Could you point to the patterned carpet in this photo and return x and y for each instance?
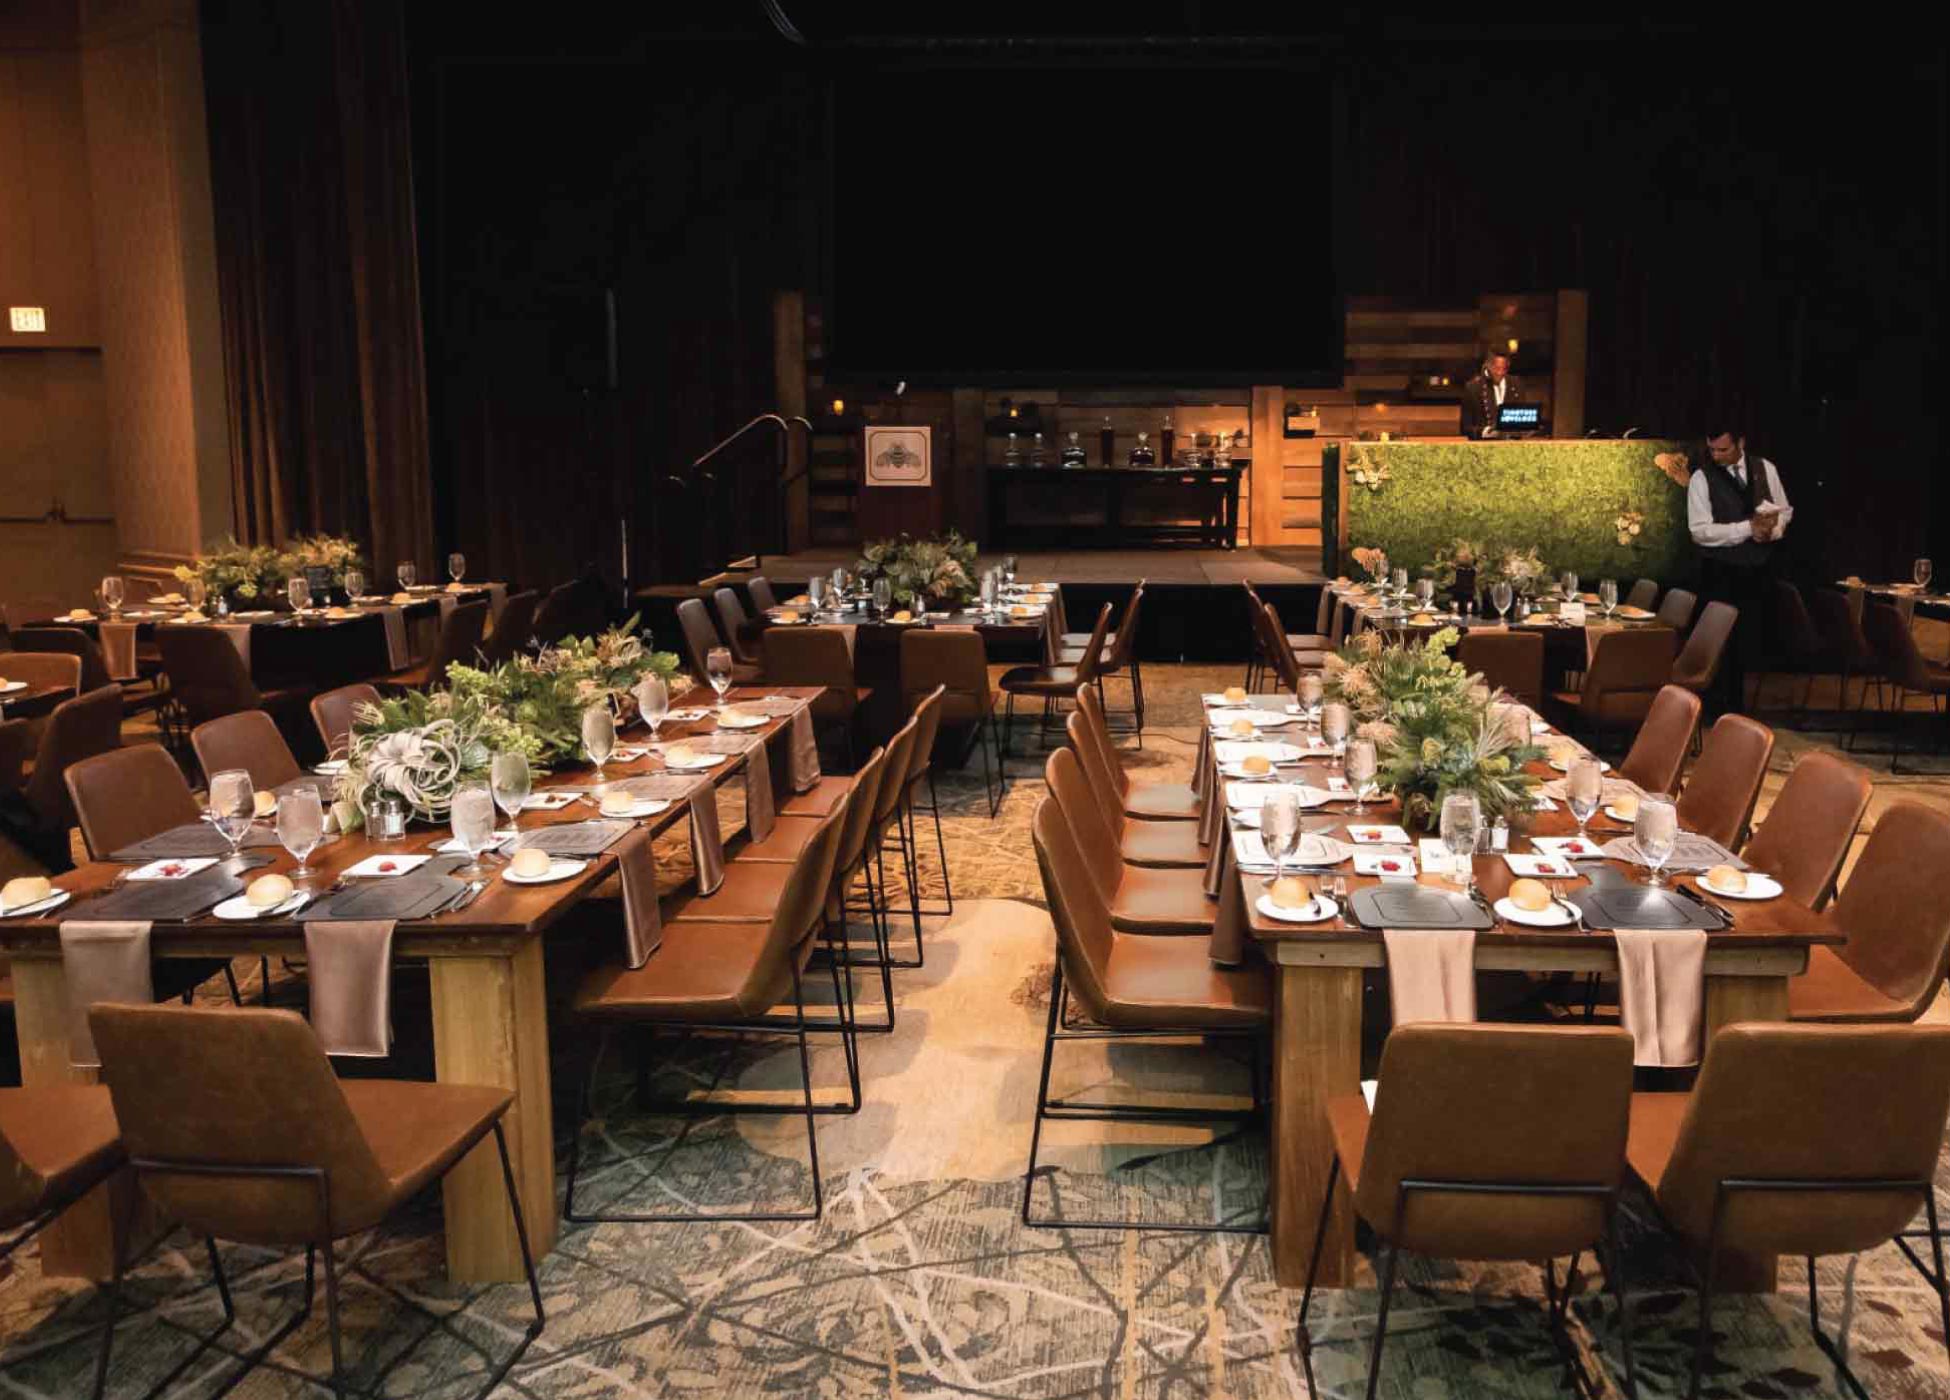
(921, 1279)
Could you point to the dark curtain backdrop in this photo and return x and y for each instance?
(311, 168)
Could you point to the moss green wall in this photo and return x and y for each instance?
(1561, 496)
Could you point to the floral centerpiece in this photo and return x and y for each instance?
(237, 573)
(1520, 568)
(420, 747)
(1373, 562)
(334, 553)
(544, 695)
(938, 571)
(1459, 561)
(1364, 470)
(1435, 728)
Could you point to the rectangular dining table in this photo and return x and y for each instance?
(1318, 970)
(489, 1018)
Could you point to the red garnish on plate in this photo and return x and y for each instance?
(386, 866)
(1390, 865)
(172, 870)
(1577, 846)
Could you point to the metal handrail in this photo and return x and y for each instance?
(771, 418)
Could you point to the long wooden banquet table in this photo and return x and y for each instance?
(489, 1020)
(1319, 969)
(1567, 645)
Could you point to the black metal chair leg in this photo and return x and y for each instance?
(1615, 1280)
(1389, 1255)
(1828, 1348)
(805, 1071)
(940, 844)
(1301, 1335)
(332, 1321)
(1042, 1086)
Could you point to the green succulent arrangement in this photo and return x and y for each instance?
(939, 571)
(422, 746)
(250, 573)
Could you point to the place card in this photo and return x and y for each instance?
(1436, 859)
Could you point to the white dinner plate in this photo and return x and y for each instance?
(1239, 771)
(239, 907)
(1258, 719)
(696, 763)
(1619, 816)
(1322, 908)
(1759, 886)
(1603, 767)
(643, 807)
(1235, 750)
(385, 867)
(558, 869)
(742, 720)
(9, 687)
(1257, 794)
(41, 906)
(1556, 916)
(330, 768)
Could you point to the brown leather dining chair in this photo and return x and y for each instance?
(1166, 845)
(759, 589)
(1698, 663)
(333, 713)
(1808, 1140)
(1140, 899)
(209, 680)
(250, 741)
(1897, 927)
(1120, 657)
(513, 630)
(1843, 637)
(747, 649)
(1676, 609)
(1512, 662)
(1627, 669)
(818, 656)
(1903, 664)
(1146, 801)
(1287, 663)
(1644, 594)
(1132, 988)
(722, 975)
(1725, 783)
(1800, 645)
(555, 616)
(68, 641)
(1810, 827)
(1051, 684)
(957, 662)
(1486, 1142)
(701, 635)
(1658, 752)
(238, 1130)
(35, 809)
(45, 670)
(458, 640)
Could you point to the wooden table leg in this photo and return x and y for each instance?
(490, 1026)
(1316, 1054)
(1731, 999)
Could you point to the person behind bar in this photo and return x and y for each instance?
(1486, 393)
(1737, 512)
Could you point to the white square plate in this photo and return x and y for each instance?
(383, 867)
(180, 868)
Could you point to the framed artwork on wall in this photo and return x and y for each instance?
(899, 456)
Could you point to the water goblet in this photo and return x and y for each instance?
(456, 566)
(194, 593)
(1279, 828)
(406, 573)
(1608, 596)
(989, 588)
(1334, 723)
(816, 591)
(355, 585)
(1309, 694)
(233, 806)
(1584, 788)
(883, 594)
(1920, 571)
(1009, 570)
(112, 594)
(1461, 822)
(1569, 580)
(717, 670)
(472, 818)
(599, 738)
(1360, 766)
(297, 592)
(1502, 595)
(511, 779)
(301, 825)
(1657, 832)
(1425, 592)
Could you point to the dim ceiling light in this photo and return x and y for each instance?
(27, 320)
(839, 407)
(1513, 346)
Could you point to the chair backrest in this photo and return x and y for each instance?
(1699, 660)
(1889, 634)
(80, 728)
(1324, 611)
(1084, 937)
(241, 1087)
(801, 907)
(1794, 626)
(732, 620)
(699, 635)
(1676, 609)
(1841, 630)
(1090, 704)
(759, 589)
(127, 795)
(43, 669)
(1092, 660)
(68, 641)
(1537, 1105)
(23, 613)
(248, 740)
(812, 656)
(1103, 784)
(1628, 668)
(1897, 923)
(927, 725)
(900, 753)
(1125, 647)
(1284, 662)
(1658, 751)
(460, 638)
(1512, 662)
(1809, 828)
(332, 712)
(1783, 1102)
(1337, 631)
(1644, 594)
(1095, 837)
(863, 800)
(555, 618)
(206, 673)
(933, 657)
(1725, 781)
(513, 630)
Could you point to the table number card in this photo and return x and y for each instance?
(1572, 613)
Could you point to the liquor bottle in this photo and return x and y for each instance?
(1038, 452)
(1166, 437)
(1107, 437)
(1012, 455)
(1141, 455)
(1073, 453)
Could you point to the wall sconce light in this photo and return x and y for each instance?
(1014, 412)
(1513, 345)
(839, 407)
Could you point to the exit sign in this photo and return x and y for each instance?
(27, 320)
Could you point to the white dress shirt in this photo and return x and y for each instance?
(1713, 534)
(1500, 385)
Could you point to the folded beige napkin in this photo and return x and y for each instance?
(398, 655)
(1201, 760)
(446, 602)
(707, 846)
(1219, 867)
(350, 968)
(1431, 974)
(118, 649)
(1661, 993)
(103, 960)
(643, 929)
(761, 813)
(1229, 936)
(804, 750)
(1211, 809)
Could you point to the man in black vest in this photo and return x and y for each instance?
(1485, 394)
(1737, 513)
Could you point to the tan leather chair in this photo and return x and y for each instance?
(759, 589)
(920, 768)
(1725, 781)
(58, 1142)
(65, 641)
(459, 640)
(717, 974)
(957, 662)
(1052, 683)
(513, 630)
(1120, 656)
(1809, 828)
(1166, 845)
(333, 713)
(1287, 663)
(1905, 667)
(209, 679)
(1806, 1140)
(1486, 1142)
(746, 648)
(34, 802)
(1628, 668)
(1658, 752)
(1644, 594)
(238, 1129)
(1897, 924)
(1146, 801)
(1676, 609)
(250, 741)
(126, 795)
(1132, 987)
(700, 636)
(818, 656)
(1698, 665)
(557, 615)
(1842, 635)
(1512, 662)
(1141, 899)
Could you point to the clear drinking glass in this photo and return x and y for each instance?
(194, 592)
(1425, 591)
(816, 591)
(1333, 724)
(456, 566)
(1309, 695)
(1584, 787)
(1570, 582)
(112, 593)
(1400, 579)
(1279, 828)
(883, 594)
(1657, 831)
(1608, 595)
(1360, 766)
(355, 584)
(511, 780)
(599, 737)
(1009, 569)
(1502, 595)
(839, 585)
(301, 825)
(297, 591)
(472, 816)
(1462, 820)
(406, 573)
(989, 589)
(1920, 571)
(717, 670)
(233, 806)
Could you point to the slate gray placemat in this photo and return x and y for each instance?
(401, 897)
(164, 899)
(724, 743)
(190, 839)
(576, 838)
(1394, 905)
(675, 786)
(1644, 907)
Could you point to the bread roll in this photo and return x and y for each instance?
(903, 616)
(618, 804)
(1625, 806)
(1256, 764)
(25, 889)
(1530, 895)
(1725, 877)
(1291, 892)
(266, 802)
(1241, 729)
(529, 863)
(1235, 695)
(786, 615)
(268, 891)
(1421, 620)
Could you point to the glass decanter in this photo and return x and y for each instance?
(1073, 455)
(1142, 455)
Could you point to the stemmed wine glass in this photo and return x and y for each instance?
(839, 586)
(297, 591)
(816, 591)
(406, 573)
(1279, 828)
(1919, 571)
(233, 806)
(883, 595)
(472, 816)
(1657, 832)
(717, 670)
(1333, 724)
(355, 585)
(1400, 579)
(112, 594)
(1570, 582)
(1462, 820)
(511, 779)
(194, 593)
(1584, 787)
(1502, 595)
(1608, 596)
(1009, 570)
(1425, 592)
(301, 825)
(1308, 695)
(1360, 765)
(456, 566)
(653, 703)
(599, 737)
